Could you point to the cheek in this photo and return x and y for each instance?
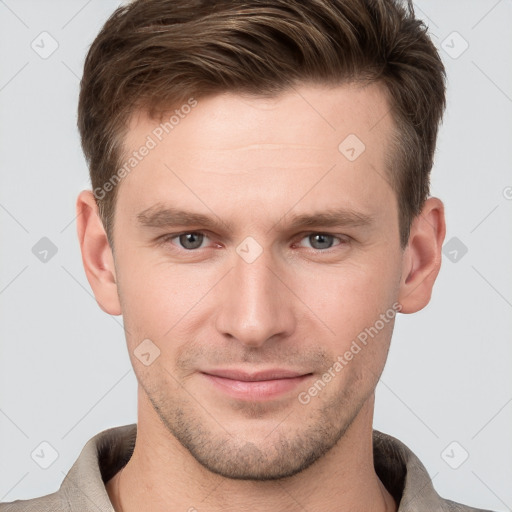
(153, 297)
(350, 303)
(350, 298)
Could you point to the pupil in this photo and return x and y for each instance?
(191, 240)
(323, 241)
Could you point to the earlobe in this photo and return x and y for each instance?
(97, 254)
(422, 257)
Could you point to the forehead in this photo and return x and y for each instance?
(326, 143)
(309, 115)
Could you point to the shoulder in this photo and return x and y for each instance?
(407, 479)
(83, 488)
(451, 506)
(55, 502)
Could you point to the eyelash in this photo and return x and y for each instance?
(343, 240)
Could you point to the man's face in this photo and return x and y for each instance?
(251, 309)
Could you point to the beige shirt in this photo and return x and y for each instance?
(83, 489)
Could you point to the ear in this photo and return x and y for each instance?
(97, 256)
(422, 257)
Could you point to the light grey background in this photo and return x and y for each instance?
(64, 371)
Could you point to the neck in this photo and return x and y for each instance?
(343, 479)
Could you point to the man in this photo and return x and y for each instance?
(259, 216)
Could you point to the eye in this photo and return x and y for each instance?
(322, 241)
(189, 241)
(193, 240)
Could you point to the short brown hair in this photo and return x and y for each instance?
(154, 54)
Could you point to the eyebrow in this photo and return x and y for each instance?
(159, 216)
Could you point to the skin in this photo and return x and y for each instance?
(254, 163)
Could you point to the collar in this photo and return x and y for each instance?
(106, 453)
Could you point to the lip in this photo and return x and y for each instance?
(255, 386)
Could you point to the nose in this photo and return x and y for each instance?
(256, 304)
